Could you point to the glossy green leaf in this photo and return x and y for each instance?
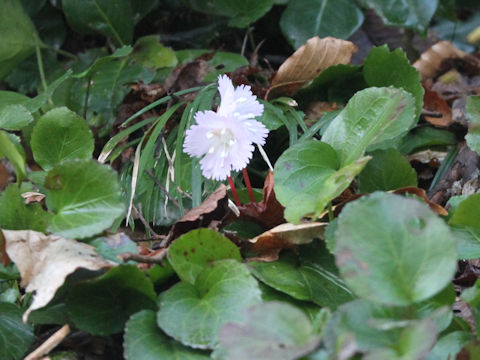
(372, 116)
(18, 37)
(11, 98)
(449, 345)
(422, 137)
(15, 117)
(223, 62)
(406, 13)
(84, 197)
(112, 18)
(385, 68)
(61, 135)
(111, 246)
(268, 331)
(15, 336)
(122, 52)
(387, 170)
(467, 241)
(467, 213)
(194, 314)
(307, 178)
(101, 306)
(407, 243)
(150, 53)
(9, 147)
(16, 215)
(473, 113)
(242, 13)
(304, 19)
(312, 276)
(143, 340)
(197, 249)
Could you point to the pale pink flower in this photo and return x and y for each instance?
(224, 139)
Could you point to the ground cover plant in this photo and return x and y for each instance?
(221, 179)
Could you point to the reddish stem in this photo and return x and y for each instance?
(234, 191)
(249, 186)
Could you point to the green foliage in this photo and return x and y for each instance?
(303, 19)
(473, 111)
(387, 170)
(193, 314)
(84, 197)
(72, 139)
(102, 305)
(15, 336)
(145, 341)
(10, 148)
(192, 252)
(408, 243)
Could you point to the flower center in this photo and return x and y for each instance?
(221, 140)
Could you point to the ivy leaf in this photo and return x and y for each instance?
(269, 331)
(61, 135)
(102, 306)
(143, 340)
(192, 252)
(15, 336)
(84, 197)
(406, 242)
(385, 68)
(312, 276)
(112, 18)
(372, 116)
(194, 314)
(388, 170)
(18, 37)
(304, 19)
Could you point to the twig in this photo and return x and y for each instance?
(142, 219)
(49, 344)
(155, 259)
(155, 180)
(151, 238)
(433, 114)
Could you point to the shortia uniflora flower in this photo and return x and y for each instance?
(224, 139)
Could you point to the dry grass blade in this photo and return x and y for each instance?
(310, 60)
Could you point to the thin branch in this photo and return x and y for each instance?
(155, 259)
(142, 219)
(49, 344)
(154, 178)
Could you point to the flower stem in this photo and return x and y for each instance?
(249, 186)
(234, 191)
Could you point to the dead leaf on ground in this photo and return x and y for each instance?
(268, 212)
(430, 63)
(434, 104)
(33, 196)
(45, 261)
(310, 60)
(213, 208)
(421, 193)
(268, 245)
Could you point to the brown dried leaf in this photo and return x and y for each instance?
(268, 212)
(213, 208)
(440, 210)
(432, 102)
(431, 60)
(310, 60)
(285, 236)
(45, 261)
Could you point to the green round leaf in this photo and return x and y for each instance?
(143, 340)
(194, 314)
(372, 116)
(304, 19)
(394, 250)
(467, 213)
(311, 276)
(307, 178)
(388, 170)
(15, 117)
(84, 197)
(150, 53)
(61, 135)
(269, 331)
(192, 252)
(15, 336)
(385, 68)
(102, 306)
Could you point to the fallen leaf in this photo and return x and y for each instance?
(33, 196)
(421, 193)
(45, 261)
(433, 103)
(430, 62)
(310, 60)
(268, 212)
(213, 208)
(268, 245)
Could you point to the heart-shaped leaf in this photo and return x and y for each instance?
(84, 197)
(61, 135)
(194, 314)
(407, 242)
(194, 251)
